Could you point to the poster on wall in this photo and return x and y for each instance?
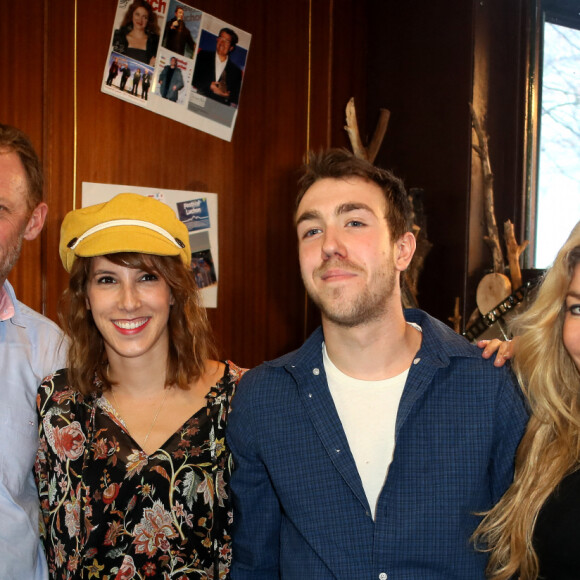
(179, 62)
(197, 210)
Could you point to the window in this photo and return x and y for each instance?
(555, 202)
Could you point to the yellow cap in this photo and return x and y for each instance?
(127, 223)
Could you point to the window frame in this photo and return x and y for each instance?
(561, 12)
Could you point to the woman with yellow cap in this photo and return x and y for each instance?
(132, 470)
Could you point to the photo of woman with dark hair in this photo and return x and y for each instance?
(138, 36)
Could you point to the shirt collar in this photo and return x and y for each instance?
(7, 309)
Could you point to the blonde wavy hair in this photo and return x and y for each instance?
(550, 447)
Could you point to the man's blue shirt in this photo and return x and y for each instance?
(300, 508)
(30, 349)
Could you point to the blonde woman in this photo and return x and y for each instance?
(534, 530)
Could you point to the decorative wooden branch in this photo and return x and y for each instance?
(379, 134)
(496, 287)
(514, 251)
(456, 318)
(492, 237)
(351, 128)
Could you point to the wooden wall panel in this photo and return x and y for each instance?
(425, 65)
(420, 68)
(21, 105)
(58, 139)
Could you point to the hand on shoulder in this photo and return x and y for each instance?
(505, 349)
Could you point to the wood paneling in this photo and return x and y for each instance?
(59, 137)
(21, 105)
(307, 58)
(420, 69)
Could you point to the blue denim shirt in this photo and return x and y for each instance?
(300, 511)
(29, 350)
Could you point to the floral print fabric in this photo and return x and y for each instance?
(110, 511)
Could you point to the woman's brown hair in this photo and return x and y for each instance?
(190, 337)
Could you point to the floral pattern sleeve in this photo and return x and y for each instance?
(111, 511)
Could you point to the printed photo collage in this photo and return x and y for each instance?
(177, 61)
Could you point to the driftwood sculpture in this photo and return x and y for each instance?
(492, 237)
(369, 153)
(456, 318)
(495, 287)
(514, 251)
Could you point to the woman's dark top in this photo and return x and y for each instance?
(109, 510)
(121, 46)
(557, 532)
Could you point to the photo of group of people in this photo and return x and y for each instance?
(128, 77)
(177, 61)
(198, 211)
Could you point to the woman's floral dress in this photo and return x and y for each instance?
(110, 511)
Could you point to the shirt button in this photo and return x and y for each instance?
(383, 576)
(416, 361)
(316, 371)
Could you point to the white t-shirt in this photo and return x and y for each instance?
(220, 66)
(368, 413)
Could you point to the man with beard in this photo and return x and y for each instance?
(216, 75)
(369, 451)
(30, 349)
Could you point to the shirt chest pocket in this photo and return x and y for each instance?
(19, 443)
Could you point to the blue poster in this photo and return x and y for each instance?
(194, 214)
